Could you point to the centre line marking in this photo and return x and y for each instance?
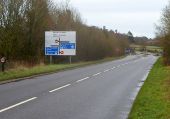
(106, 70)
(113, 68)
(82, 79)
(118, 66)
(59, 88)
(18, 104)
(97, 74)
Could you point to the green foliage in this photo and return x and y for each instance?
(152, 101)
(166, 45)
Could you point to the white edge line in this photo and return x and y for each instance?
(82, 79)
(145, 76)
(18, 104)
(97, 74)
(59, 88)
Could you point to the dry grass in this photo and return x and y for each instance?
(20, 70)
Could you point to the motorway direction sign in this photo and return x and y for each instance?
(60, 43)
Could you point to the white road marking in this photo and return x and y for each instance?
(97, 74)
(18, 104)
(107, 70)
(59, 88)
(145, 77)
(82, 79)
(113, 68)
(140, 84)
(118, 66)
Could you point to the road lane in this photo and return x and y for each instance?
(18, 91)
(104, 94)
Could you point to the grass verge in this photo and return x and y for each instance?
(153, 101)
(22, 72)
(150, 48)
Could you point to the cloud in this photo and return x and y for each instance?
(119, 5)
(135, 15)
(139, 23)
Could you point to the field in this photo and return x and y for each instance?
(149, 48)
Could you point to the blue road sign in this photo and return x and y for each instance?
(67, 46)
(51, 50)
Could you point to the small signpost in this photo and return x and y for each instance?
(3, 61)
(60, 43)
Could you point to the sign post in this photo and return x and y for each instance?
(70, 58)
(60, 43)
(51, 59)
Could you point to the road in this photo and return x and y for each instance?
(102, 91)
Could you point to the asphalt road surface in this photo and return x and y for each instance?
(102, 91)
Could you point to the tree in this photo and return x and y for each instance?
(130, 37)
(22, 26)
(163, 31)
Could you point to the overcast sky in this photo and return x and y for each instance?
(138, 16)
